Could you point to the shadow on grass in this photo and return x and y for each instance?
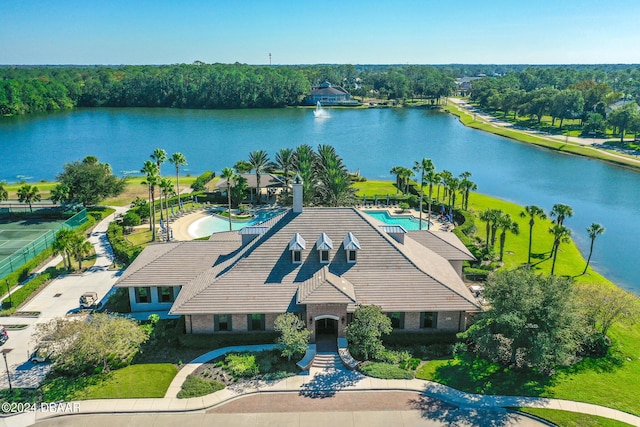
(69, 388)
(436, 410)
(473, 374)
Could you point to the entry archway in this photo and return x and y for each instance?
(326, 333)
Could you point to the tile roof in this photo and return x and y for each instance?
(261, 278)
(326, 288)
(443, 243)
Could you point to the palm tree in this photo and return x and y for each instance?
(466, 186)
(159, 156)
(432, 177)
(305, 161)
(259, 161)
(60, 194)
(285, 161)
(166, 189)
(334, 182)
(489, 216)
(505, 223)
(152, 179)
(405, 177)
(4, 194)
(560, 235)
(594, 230)
(532, 211)
(28, 194)
(228, 174)
(80, 248)
(62, 245)
(424, 167)
(177, 160)
(397, 171)
(445, 178)
(561, 212)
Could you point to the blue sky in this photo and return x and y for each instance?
(328, 31)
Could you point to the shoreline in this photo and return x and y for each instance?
(563, 144)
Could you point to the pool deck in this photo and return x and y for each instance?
(181, 226)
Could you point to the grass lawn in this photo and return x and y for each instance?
(140, 237)
(467, 120)
(135, 381)
(572, 419)
(371, 188)
(135, 188)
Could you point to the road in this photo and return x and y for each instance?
(58, 299)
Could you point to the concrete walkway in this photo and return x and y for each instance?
(319, 384)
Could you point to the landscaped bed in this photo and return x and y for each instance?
(236, 368)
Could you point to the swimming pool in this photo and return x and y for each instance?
(215, 224)
(407, 221)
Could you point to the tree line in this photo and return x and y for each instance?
(597, 99)
(25, 90)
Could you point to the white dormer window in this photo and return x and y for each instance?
(351, 246)
(296, 245)
(324, 245)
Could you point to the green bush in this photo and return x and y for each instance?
(21, 295)
(196, 387)
(200, 183)
(410, 339)
(385, 371)
(410, 364)
(241, 364)
(124, 251)
(476, 274)
(394, 357)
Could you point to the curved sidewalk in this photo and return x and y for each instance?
(321, 384)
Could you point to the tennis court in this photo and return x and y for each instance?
(22, 239)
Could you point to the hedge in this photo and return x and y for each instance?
(476, 274)
(219, 340)
(409, 339)
(22, 294)
(124, 251)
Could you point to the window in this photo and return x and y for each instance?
(324, 256)
(143, 295)
(351, 256)
(297, 256)
(428, 319)
(255, 322)
(397, 319)
(165, 294)
(222, 322)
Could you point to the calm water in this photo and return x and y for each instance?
(407, 221)
(372, 140)
(215, 224)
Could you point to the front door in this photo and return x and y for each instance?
(326, 335)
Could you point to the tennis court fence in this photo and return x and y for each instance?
(16, 260)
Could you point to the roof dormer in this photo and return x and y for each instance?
(324, 245)
(351, 247)
(395, 231)
(250, 233)
(296, 245)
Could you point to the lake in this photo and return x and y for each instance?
(372, 141)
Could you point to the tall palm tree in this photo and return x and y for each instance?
(466, 186)
(424, 166)
(150, 169)
(489, 216)
(305, 161)
(285, 162)
(560, 234)
(561, 212)
(80, 248)
(259, 160)
(334, 182)
(228, 174)
(445, 178)
(28, 194)
(594, 230)
(177, 160)
(397, 171)
(159, 156)
(532, 211)
(432, 177)
(4, 194)
(405, 177)
(62, 245)
(506, 223)
(166, 190)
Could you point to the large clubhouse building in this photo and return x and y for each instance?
(321, 263)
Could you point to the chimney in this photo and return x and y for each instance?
(250, 233)
(297, 194)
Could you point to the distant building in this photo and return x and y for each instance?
(464, 84)
(327, 94)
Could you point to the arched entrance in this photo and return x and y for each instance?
(326, 333)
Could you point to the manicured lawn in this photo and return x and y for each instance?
(385, 371)
(371, 188)
(140, 237)
(135, 188)
(572, 419)
(135, 381)
(569, 262)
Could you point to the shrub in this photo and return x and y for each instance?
(242, 364)
(412, 339)
(201, 181)
(404, 205)
(393, 357)
(476, 274)
(195, 387)
(119, 301)
(131, 219)
(410, 364)
(124, 251)
(22, 294)
(211, 341)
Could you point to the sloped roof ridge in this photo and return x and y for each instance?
(399, 248)
(325, 276)
(226, 265)
(439, 237)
